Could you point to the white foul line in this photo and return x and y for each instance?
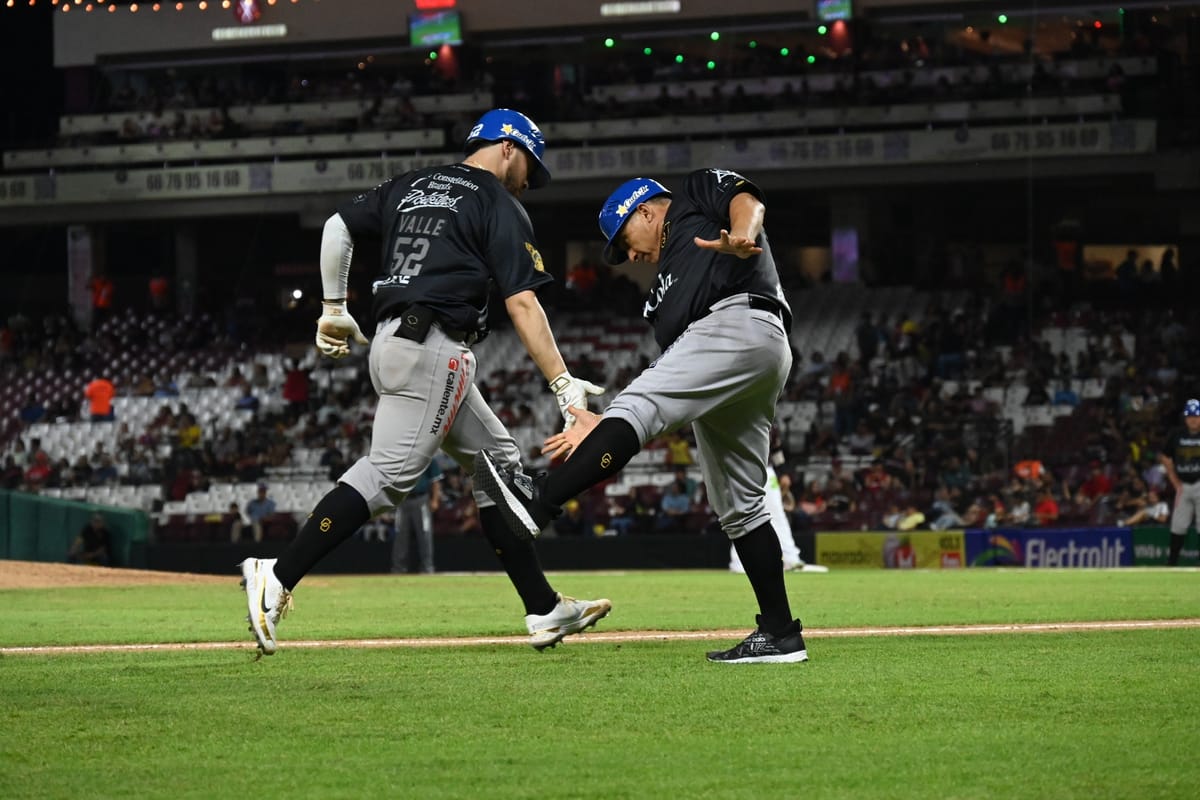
(620, 637)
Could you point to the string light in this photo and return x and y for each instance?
(133, 7)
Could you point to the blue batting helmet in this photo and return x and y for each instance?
(504, 123)
(619, 205)
(1191, 408)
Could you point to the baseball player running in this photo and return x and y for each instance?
(447, 233)
(720, 316)
(1181, 457)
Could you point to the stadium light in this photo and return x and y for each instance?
(609, 42)
(1002, 19)
(715, 36)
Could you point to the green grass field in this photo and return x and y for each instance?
(1036, 715)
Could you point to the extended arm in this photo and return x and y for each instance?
(746, 214)
(534, 329)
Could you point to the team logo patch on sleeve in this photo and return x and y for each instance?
(453, 365)
(536, 256)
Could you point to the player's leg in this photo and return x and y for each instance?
(402, 542)
(410, 379)
(733, 443)
(1185, 514)
(1181, 518)
(549, 616)
(708, 366)
(423, 523)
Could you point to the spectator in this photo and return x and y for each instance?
(942, 511)
(573, 521)
(628, 514)
(99, 394)
(679, 452)
(93, 546)
(295, 389)
(13, 474)
(257, 511)
(188, 433)
(674, 506)
(1095, 488)
(1045, 511)
(903, 519)
(1156, 512)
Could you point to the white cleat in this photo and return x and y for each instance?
(567, 617)
(266, 600)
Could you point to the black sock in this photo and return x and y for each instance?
(335, 519)
(763, 559)
(601, 455)
(520, 561)
(1177, 540)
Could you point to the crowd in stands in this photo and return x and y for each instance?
(885, 68)
(914, 424)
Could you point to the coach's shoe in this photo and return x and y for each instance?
(761, 647)
(266, 600)
(517, 496)
(567, 617)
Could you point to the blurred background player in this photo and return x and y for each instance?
(792, 560)
(1181, 457)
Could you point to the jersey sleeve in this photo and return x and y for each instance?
(363, 214)
(512, 254)
(712, 190)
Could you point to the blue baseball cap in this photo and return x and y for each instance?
(1191, 408)
(616, 210)
(504, 123)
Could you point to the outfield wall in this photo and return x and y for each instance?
(36, 528)
(1000, 547)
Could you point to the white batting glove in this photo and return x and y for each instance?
(572, 391)
(335, 329)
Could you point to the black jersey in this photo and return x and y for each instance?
(1183, 447)
(690, 278)
(447, 231)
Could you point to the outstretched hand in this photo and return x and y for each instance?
(564, 443)
(738, 246)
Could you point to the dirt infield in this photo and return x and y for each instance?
(47, 575)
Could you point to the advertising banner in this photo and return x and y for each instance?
(891, 549)
(1151, 546)
(1069, 547)
(865, 149)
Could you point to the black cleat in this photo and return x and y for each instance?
(761, 647)
(516, 495)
